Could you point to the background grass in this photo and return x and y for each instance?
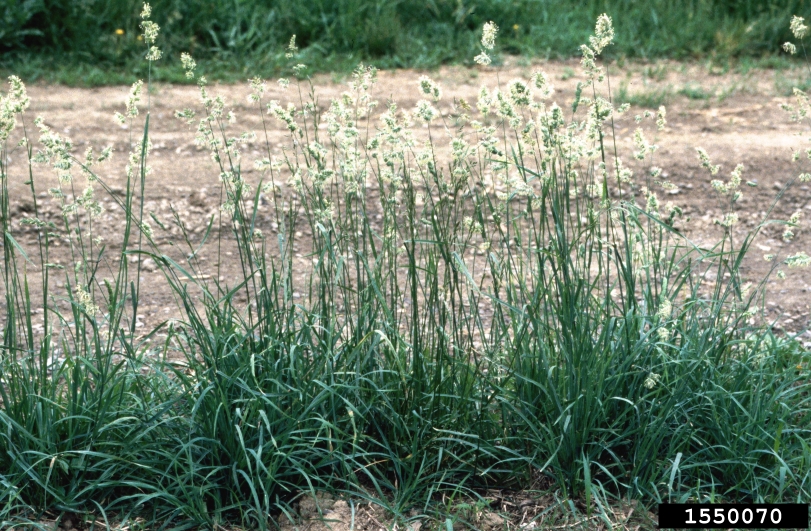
(241, 37)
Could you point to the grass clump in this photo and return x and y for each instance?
(695, 92)
(484, 302)
(647, 98)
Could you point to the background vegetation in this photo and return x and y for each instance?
(237, 37)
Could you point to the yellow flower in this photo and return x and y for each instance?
(119, 31)
(516, 27)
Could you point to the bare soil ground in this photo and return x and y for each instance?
(734, 116)
(495, 511)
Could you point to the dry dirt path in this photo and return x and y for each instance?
(734, 116)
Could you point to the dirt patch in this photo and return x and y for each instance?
(493, 511)
(734, 116)
(327, 513)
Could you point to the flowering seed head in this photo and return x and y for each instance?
(17, 99)
(735, 177)
(489, 32)
(603, 34)
(291, 48)
(154, 54)
(482, 59)
(789, 48)
(146, 12)
(146, 229)
(188, 64)
(652, 380)
(652, 205)
(429, 87)
(258, 88)
(642, 146)
(85, 301)
(133, 99)
(14, 103)
(729, 220)
(705, 161)
(589, 59)
(661, 118)
(719, 186)
(519, 92)
(798, 260)
(794, 220)
(798, 27)
(485, 101)
(425, 111)
(541, 82)
(150, 31)
(504, 105)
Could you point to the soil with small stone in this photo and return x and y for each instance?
(736, 117)
(494, 510)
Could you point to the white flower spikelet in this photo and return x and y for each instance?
(482, 59)
(603, 34)
(154, 54)
(541, 82)
(431, 88)
(661, 118)
(665, 310)
(519, 93)
(291, 48)
(800, 259)
(85, 301)
(730, 219)
(14, 103)
(489, 32)
(188, 64)
(426, 111)
(798, 27)
(705, 161)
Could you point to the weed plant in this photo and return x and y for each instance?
(485, 303)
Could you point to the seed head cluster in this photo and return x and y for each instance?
(430, 88)
(489, 33)
(798, 27)
(11, 105)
